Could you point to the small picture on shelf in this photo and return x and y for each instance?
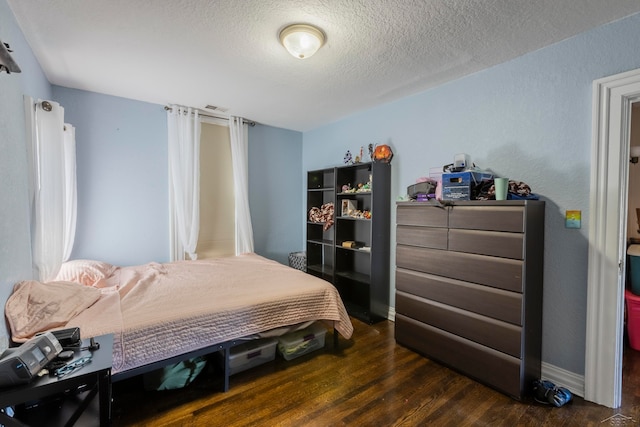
(349, 207)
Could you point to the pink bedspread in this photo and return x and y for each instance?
(157, 311)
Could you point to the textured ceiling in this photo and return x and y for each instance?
(227, 53)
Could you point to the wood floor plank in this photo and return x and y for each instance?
(368, 381)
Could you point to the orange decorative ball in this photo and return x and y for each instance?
(382, 154)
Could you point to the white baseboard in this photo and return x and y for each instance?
(392, 314)
(563, 378)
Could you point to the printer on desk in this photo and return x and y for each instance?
(19, 365)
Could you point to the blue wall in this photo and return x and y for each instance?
(15, 236)
(122, 169)
(275, 167)
(528, 119)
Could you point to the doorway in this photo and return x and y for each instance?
(633, 197)
(612, 104)
(632, 238)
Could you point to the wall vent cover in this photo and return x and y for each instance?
(216, 108)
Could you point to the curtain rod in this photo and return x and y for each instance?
(46, 106)
(202, 113)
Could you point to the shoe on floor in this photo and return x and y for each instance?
(542, 389)
(559, 396)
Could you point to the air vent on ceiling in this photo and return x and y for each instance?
(215, 108)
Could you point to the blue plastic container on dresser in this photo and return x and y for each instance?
(461, 185)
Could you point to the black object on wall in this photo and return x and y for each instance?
(6, 61)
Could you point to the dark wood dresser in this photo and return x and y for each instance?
(469, 288)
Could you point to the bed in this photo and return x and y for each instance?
(163, 313)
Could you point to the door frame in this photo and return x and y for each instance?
(612, 99)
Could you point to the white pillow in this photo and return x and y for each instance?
(86, 272)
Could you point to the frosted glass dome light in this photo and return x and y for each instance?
(302, 40)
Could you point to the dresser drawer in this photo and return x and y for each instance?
(491, 302)
(427, 237)
(489, 366)
(486, 270)
(430, 216)
(495, 243)
(496, 334)
(493, 218)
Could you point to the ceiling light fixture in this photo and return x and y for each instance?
(302, 40)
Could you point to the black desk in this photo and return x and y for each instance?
(94, 378)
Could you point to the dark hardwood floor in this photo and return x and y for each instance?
(369, 381)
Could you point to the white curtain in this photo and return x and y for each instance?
(71, 190)
(54, 188)
(239, 155)
(184, 180)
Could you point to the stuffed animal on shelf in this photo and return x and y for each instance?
(323, 214)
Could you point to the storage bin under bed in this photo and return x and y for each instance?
(251, 353)
(304, 341)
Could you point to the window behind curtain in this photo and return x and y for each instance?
(217, 215)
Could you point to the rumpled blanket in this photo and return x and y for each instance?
(157, 311)
(35, 306)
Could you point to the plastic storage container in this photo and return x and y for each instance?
(462, 185)
(634, 268)
(296, 344)
(633, 319)
(251, 354)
